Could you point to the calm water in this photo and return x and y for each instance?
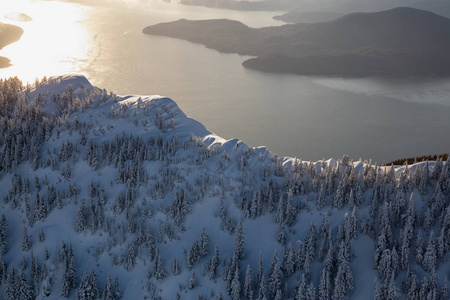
(306, 117)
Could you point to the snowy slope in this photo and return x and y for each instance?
(129, 183)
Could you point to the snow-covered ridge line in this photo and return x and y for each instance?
(81, 85)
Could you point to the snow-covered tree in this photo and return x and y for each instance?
(239, 244)
(214, 263)
(343, 282)
(429, 258)
(248, 283)
(192, 281)
(236, 286)
(108, 292)
(158, 268)
(175, 266)
(26, 244)
(80, 222)
(88, 289)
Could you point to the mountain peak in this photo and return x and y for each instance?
(395, 14)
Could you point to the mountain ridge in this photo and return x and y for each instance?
(125, 197)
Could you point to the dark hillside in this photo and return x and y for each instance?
(394, 42)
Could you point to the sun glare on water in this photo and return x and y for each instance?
(54, 42)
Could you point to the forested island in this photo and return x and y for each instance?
(396, 42)
(8, 34)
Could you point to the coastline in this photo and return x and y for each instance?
(4, 62)
(8, 34)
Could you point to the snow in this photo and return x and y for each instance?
(207, 168)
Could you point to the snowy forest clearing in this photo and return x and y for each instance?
(96, 186)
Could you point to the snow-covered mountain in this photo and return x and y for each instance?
(107, 197)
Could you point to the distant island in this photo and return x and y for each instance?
(396, 42)
(307, 16)
(321, 7)
(8, 34)
(267, 5)
(18, 16)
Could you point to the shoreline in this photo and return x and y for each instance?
(8, 34)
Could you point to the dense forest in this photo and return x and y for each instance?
(108, 197)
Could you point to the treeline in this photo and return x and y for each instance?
(413, 160)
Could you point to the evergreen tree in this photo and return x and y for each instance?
(444, 290)
(413, 291)
(131, 256)
(352, 199)
(288, 261)
(299, 257)
(301, 291)
(404, 252)
(353, 223)
(309, 248)
(399, 205)
(248, 284)
(192, 281)
(376, 291)
(395, 261)
(10, 289)
(3, 225)
(41, 235)
(71, 268)
(80, 222)
(236, 286)
(108, 293)
(117, 291)
(88, 289)
(214, 263)
(343, 282)
(275, 279)
(239, 242)
(424, 179)
(65, 285)
(279, 217)
(429, 258)
(325, 278)
(260, 270)
(385, 266)
(290, 210)
(203, 241)
(338, 200)
(310, 292)
(278, 295)
(392, 292)
(175, 267)
(23, 290)
(320, 200)
(281, 235)
(159, 270)
(262, 289)
(26, 244)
